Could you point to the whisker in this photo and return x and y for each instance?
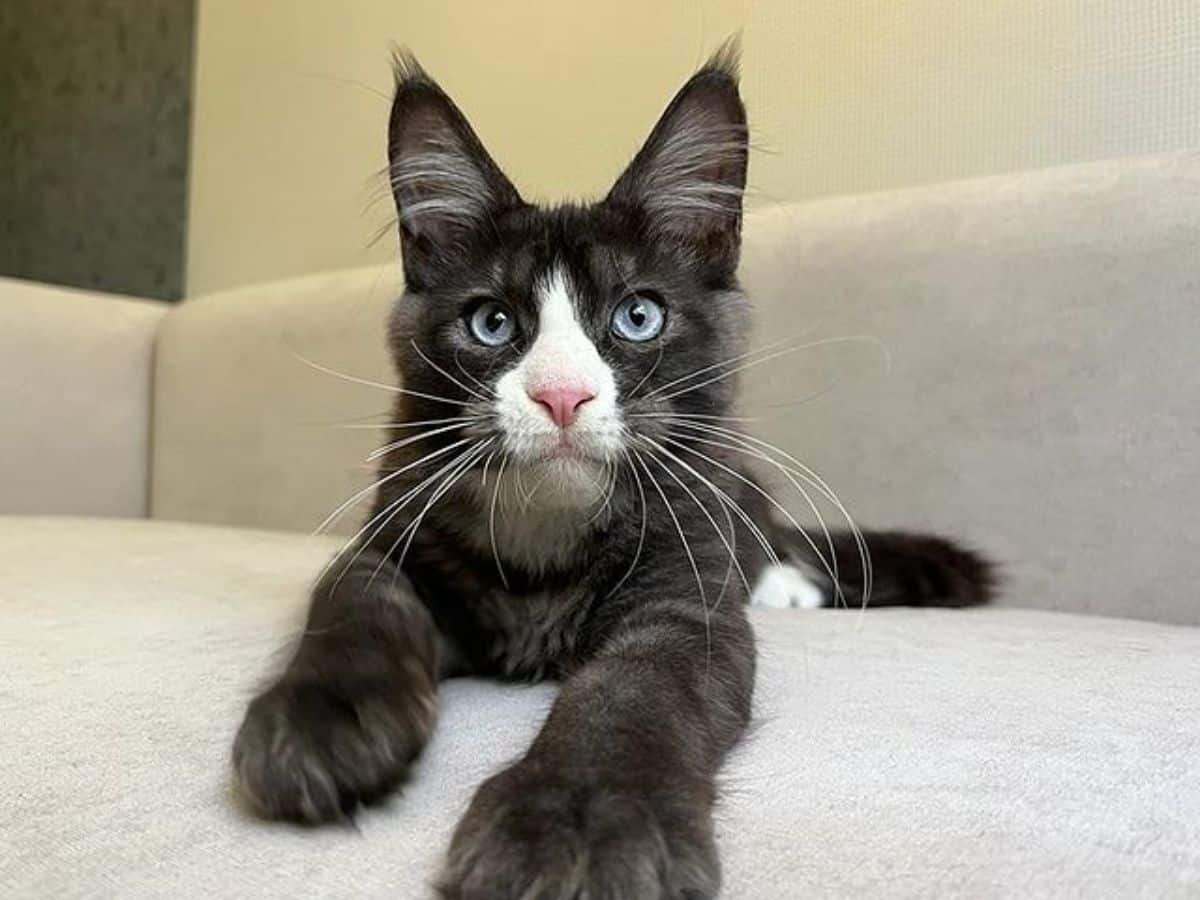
(688, 551)
(442, 491)
(641, 535)
(486, 463)
(522, 494)
(429, 362)
(812, 478)
(453, 468)
(354, 379)
(795, 401)
(610, 472)
(527, 501)
(732, 504)
(396, 426)
(830, 564)
(765, 359)
(830, 570)
(447, 484)
(462, 368)
(387, 514)
(396, 506)
(350, 82)
(683, 415)
(382, 481)
(717, 365)
(492, 522)
(350, 421)
(411, 439)
(809, 475)
(657, 361)
(720, 534)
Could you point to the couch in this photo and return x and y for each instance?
(1010, 359)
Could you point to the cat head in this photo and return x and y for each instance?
(561, 335)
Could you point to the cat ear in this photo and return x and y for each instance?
(688, 179)
(445, 184)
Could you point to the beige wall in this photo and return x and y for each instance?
(858, 95)
(844, 96)
(291, 110)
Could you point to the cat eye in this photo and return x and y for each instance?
(638, 317)
(492, 324)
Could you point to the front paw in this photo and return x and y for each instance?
(312, 752)
(546, 837)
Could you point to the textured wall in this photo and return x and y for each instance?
(292, 101)
(844, 96)
(94, 123)
(860, 95)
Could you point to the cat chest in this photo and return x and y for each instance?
(531, 635)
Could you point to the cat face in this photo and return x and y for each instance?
(558, 334)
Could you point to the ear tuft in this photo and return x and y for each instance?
(688, 179)
(726, 59)
(407, 69)
(445, 184)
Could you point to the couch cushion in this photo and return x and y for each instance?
(900, 753)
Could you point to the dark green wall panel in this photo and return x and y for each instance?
(95, 106)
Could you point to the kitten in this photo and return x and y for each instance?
(564, 499)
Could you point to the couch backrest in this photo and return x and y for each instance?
(1041, 393)
(1011, 359)
(247, 430)
(74, 400)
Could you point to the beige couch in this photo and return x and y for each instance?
(1016, 363)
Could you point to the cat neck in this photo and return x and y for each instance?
(540, 518)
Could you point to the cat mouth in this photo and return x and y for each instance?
(581, 445)
(567, 449)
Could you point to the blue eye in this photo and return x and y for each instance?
(492, 324)
(638, 318)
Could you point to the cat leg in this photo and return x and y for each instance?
(355, 705)
(614, 799)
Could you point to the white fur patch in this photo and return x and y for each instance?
(555, 481)
(562, 355)
(786, 587)
(541, 513)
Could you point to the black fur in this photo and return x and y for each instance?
(636, 603)
(909, 569)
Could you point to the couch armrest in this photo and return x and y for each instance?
(75, 404)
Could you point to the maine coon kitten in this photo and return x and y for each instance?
(564, 498)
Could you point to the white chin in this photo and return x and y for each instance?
(564, 482)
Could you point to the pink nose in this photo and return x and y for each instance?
(562, 402)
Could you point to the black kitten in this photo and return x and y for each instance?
(564, 498)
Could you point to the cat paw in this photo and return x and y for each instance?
(786, 587)
(535, 838)
(310, 752)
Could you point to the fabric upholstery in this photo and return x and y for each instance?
(247, 431)
(75, 401)
(1020, 370)
(987, 753)
(1030, 378)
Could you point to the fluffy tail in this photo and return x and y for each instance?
(908, 569)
